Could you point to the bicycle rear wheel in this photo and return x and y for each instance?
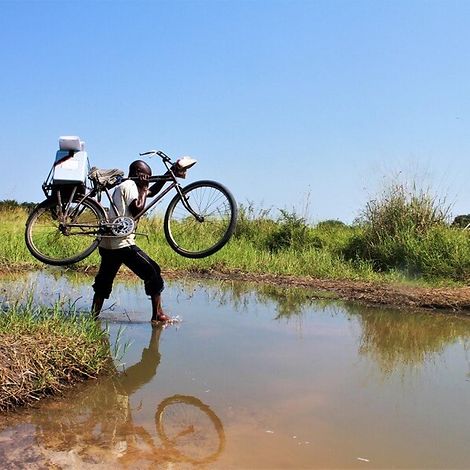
(207, 232)
(58, 239)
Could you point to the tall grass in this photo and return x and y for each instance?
(407, 229)
(402, 234)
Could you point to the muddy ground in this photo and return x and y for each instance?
(456, 299)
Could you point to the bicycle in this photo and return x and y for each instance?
(69, 224)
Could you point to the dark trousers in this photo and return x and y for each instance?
(136, 260)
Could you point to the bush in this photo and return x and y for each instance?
(406, 229)
(444, 252)
(461, 221)
(291, 232)
(253, 224)
(10, 205)
(331, 224)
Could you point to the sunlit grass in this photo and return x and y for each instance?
(42, 350)
(289, 246)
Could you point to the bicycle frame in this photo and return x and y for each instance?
(98, 189)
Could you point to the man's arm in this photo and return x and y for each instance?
(137, 205)
(156, 187)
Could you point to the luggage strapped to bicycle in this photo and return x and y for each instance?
(71, 175)
(105, 178)
(68, 175)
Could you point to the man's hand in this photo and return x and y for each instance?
(178, 171)
(142, 180)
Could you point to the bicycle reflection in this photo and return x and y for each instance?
(100, 421)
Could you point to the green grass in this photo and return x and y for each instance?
(400, 237)
(43, 350)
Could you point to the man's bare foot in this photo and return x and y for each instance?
(160, 318)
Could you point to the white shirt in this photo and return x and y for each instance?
(123, 195)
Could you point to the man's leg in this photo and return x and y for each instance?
(149, 271)
(158, 315)
(109, 266)
(97, 304)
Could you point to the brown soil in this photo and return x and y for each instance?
(370, 293)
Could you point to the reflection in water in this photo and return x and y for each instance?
(282, 370)
(391, 337)
(395, 339)
(98, 424)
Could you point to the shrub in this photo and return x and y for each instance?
(461, 221)
(291, 231)
(402, 229)
(331, 224)
(253, 224)
(10, 205)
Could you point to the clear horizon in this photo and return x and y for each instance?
(291, 104)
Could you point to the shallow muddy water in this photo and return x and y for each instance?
(252, 377)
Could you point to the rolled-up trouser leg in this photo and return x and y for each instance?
(111, 261)
(146, 268)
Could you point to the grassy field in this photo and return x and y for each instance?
(401, 236)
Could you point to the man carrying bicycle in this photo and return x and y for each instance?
(129, 198)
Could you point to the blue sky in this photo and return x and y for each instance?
(292, 104)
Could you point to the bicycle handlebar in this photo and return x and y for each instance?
(151, 153)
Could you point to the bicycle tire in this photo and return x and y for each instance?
(45, 237)
(197, 239)
(180, 416)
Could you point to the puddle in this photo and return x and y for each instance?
(252, 377)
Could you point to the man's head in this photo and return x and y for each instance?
(139, 167)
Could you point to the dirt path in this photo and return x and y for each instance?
(371, 293)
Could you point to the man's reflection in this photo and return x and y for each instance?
(98, 425)
(135, 377)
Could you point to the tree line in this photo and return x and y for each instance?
(12, 204)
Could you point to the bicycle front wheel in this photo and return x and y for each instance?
(202, 222)
(61, 236)
(190, 429)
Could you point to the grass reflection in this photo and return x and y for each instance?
(400, 338)
(391, 338)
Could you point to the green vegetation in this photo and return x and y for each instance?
(12, 205)
(402, 235)
(43, 350)
(406, 230)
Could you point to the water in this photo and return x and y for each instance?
(253, 377)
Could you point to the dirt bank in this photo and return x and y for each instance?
(455, 299)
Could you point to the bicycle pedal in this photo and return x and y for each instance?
(144, 235)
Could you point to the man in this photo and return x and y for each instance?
(129, 198)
